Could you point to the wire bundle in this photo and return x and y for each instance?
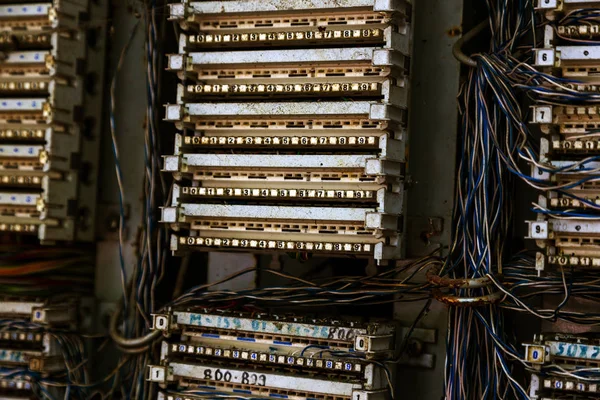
(494, 137)
(394, 285)
(139, 289)
(43, 271)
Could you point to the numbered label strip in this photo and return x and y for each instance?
(570, 385)
(574, 350)
(285, 37)
(279, 193)
(327, 141)
(8, 40)
(25, 133)
(25, 87)
(282, 327)
(579, 31)
(22, 336)
(21, 180)
(271, 380)
(19, 228)
(284, 245)
(267, 358)
(15, 384)
(574, 261)
(363, 88)
(576, 146)
(568, 202)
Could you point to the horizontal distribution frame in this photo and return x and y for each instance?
(566, 142)
(51, 73)
(292, 124)
(567, 229)
(49, 119)
(270, 355)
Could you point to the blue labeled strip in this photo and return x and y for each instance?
(279, 396)
(211, 335)
(246, 339)
(242, 391)
(282, 343)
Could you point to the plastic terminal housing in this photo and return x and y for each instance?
(298, 117)
(270, 353)
(43, 106)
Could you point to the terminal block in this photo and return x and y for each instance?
(63, 313)
(293, 127)
(50, 109)
(557, 359)
(255, 23)
(16, 389)
(32, 349)
(564, 228)
(375, 339)
(269, 355)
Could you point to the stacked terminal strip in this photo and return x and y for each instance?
(292, 126)
(561, 366)
(50, 69)
(37, 349)
(568, 225)
(211, 354)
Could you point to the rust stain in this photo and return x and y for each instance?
(437, 280)
(460, 283)
(454, 31)
(457, 301)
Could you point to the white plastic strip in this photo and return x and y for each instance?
(270, 380)
(215, 211)
(263, 326)
(26, 57)
(20, 151)
(266, 161)
(574, 350)
(219, 7)
(25, 10)
(274, 56)
(17, 308)
(18, 199)
(21, 105)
